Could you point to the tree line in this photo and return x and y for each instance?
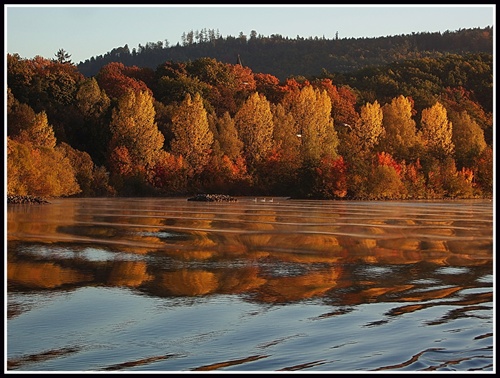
(208, 126)
(283, 56)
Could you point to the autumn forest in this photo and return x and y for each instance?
(418, 127)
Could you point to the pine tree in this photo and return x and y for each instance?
(63, 57)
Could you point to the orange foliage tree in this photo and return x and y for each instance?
(385, 179)
(170, 174)
(414, 180)
(39, 171)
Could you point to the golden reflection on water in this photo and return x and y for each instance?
(129, 274)
(281, 252)
(44, 275)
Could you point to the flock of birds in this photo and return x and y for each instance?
(263, 200)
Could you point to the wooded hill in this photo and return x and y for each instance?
(284, 57)
(419, 126)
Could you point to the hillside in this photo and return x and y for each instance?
(285, 57)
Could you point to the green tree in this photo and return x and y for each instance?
(229, 141)
(91, 100)
(92, 134)
(386, 184)
(19, 116)
(174, 89)
(63, 57)
(20, 77)
(468, 138)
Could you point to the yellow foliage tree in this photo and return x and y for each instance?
(311, 110)
(133, 126)
(192, 135)
(436, 131)
(369, 127)
(254, 122)
(39, 171)
(468, 138)
(39, 132)
(400, 137)
(285, 137)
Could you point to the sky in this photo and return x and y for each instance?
(86, 31)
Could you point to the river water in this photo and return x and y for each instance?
(257, 285)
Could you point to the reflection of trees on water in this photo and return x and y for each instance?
(339, 278)
(261, 253)
(44, 275)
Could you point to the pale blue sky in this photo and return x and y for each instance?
(86, 31)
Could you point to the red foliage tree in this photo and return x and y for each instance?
(331, 179)
(169, 174)
(343, 102)
(269, 86)
(384, 158)
(115, 80)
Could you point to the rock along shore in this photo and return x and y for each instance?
(31, 200)
(213, 198)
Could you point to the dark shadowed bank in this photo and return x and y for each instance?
(28, 199)
(18, 199)
(213, 198)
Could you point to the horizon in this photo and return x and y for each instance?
(325, 21)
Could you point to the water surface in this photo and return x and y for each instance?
(166, 284)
